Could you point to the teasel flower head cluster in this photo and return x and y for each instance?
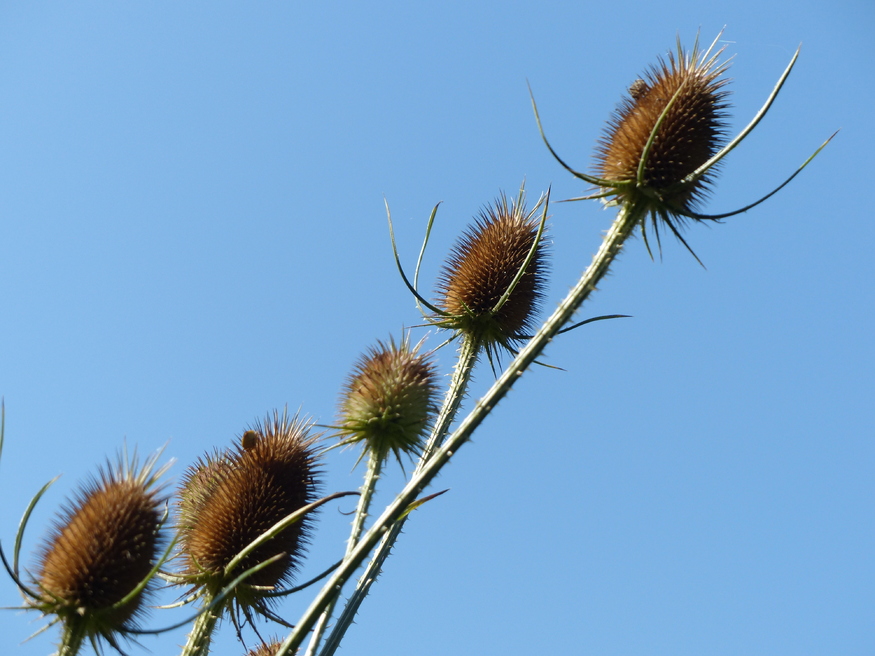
(671, 123)
(664, 143)
(492, 284)
(232, 498)
(96, 569)
(389, 400)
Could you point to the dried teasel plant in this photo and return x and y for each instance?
(491, 286)
(244, 521)
(681, 102)
(265, 649)
(662, 147)
(245, 512)
(666, 195)
(387, 405)
(96, 569)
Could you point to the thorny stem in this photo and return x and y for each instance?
(627, 219)
(201, 632)
(71, 639)
(375, 465)
(469, 350)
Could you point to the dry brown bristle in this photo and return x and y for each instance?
(267, 649)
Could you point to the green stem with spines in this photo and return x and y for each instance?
(72, 637)
(469, 351)
(375, 466)
(199, 638)
(622, 227)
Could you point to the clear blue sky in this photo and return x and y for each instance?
(192, 234)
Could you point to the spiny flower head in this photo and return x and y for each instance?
(265, 649)
(662, 146)
(94, 565)
(672, 122)
(491, 287)
(229, 499)
(389, 400)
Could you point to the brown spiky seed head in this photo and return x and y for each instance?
(103, 545)
(266, 649)
(482, 267)
(228, 500)
(693, 130)
(389, 400)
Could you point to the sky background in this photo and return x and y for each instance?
(192, 234)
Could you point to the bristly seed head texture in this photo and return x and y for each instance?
(228, 499)
(265, 649)
(482, 268)
(389, 400)
(101, 548)
(692, 130)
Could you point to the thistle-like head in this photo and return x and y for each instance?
(671, 123)
(96, 568)
(265, 649)
(661, 148)
(389, 400)
(231, 498)
(492, 284)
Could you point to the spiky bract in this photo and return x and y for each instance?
(100, 550)
(482, 268)
(389, 400)
(228, 499)
(680, 108)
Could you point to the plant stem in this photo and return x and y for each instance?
(198, 643)
(627, 219)
(71, 638)
(469, 350)
(375, 465)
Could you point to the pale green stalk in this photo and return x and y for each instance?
(72, 637)
(198, 643)
(622, 227)
(469, 350)
(375, 465)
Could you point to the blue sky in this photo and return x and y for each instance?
(193, 234)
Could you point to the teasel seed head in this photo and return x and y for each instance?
(480, 290)
(266, 649)
(681, 105)
(228, 499)
(101, 550)
(389, 400)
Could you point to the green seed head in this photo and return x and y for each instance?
(389, 400)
